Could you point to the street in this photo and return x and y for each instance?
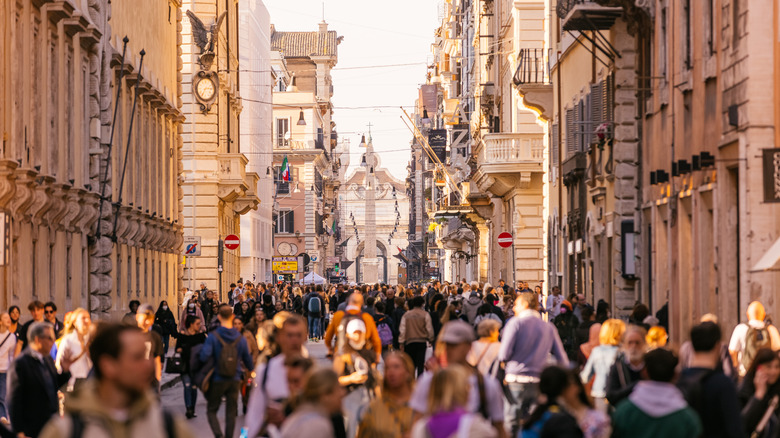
(173, 399)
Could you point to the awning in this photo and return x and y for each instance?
(770, 258)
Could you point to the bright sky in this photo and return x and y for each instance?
(375, 34)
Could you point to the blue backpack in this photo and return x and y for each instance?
(314, 304)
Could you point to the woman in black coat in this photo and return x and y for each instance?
(166, 322)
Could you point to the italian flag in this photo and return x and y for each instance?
(285, 170)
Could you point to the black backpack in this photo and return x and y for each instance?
(691, 385)
(227, 364)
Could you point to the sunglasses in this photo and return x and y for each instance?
(48, 311)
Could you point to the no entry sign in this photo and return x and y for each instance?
(505, 240)
(232, 241)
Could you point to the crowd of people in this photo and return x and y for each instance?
(437, 360)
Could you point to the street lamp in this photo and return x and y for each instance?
(301, 121)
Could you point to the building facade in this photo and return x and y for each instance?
(62, 70)
(304, 137)
(217, 187)
(388, 228)
(256, 120)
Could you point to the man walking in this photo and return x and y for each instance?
(353, 310)
(33, 381)
(121, 371)
(50, 315)
(707, 390)
(750, 337)
(416, 330)
(129, 317)
(271, 390)
(527, 342)
(36, 311)
(145, 320)
(229, 350)
(315, 309)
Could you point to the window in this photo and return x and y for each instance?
(709, 26)
(285, 221)
(554, 148)
(282, 133)
(282, 187)
(686, 22)
(571, 144)
(664, 44)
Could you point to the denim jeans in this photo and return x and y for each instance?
(314, 326)
(525, 395)
(190, 392)
(3, 404)
(166, 340)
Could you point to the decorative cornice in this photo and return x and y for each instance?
(59, 205)
(42, 200)
(25, 193)
(7, 181)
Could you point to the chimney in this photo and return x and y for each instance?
(323, 26)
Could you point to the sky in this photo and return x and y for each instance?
(395, 35)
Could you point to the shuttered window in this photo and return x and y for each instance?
(285, 221)
(571, 142)
(555, 135)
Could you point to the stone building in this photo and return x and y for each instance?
(708, 208)
(217, 187)
(256, 124)
(304, 134)
(594, 147)
(60, 72)
(488, 175)
(390, 223)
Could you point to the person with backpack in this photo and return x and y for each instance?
(120, 385)
(229, 351)
(706, 389)
(334, 336)
(752, 336)
(384, 326)
(314, 308)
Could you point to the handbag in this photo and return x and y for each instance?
(174, 364)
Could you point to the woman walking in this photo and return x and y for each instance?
(192, 336)
(165, 320)
(390, 416)
(74, 345)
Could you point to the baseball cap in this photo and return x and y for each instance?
(356, 325)
(456, 332)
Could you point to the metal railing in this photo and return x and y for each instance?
(533, 67)
(564, 6)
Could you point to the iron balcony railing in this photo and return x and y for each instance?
(533, 67)
(565, 6)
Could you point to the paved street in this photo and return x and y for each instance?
(173, 398)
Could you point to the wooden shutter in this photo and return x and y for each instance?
(596, 107)
(554, 147)
(609, 99)
(291, 221)
(571, 145)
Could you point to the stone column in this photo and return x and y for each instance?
(626, 158)
(370, 262)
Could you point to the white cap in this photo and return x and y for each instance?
(356, 325)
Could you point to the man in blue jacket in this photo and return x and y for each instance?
(231, 358)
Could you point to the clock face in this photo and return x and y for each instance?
(206, 89)
(284, 248)
(293, 249)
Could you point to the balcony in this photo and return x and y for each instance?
(582, 15)
(233, 180)
(532, 79)
(508, 161)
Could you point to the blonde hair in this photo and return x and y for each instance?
(297, 291)
(611, 332)
(319, 382)
(69, 326)
(656, 337)
(445, 395)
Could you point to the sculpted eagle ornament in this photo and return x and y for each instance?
(205, 38)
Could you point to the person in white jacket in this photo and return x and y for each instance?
(447, 413)
(73, 346)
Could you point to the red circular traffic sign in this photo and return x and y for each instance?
(505, 240)
(232, 241)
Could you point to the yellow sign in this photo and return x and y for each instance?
(285, 264)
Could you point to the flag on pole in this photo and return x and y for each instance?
(285, 170)
(333, 228)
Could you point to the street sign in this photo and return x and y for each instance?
(285, 265)
(505, 240)
(232, 241)
(192, 246)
